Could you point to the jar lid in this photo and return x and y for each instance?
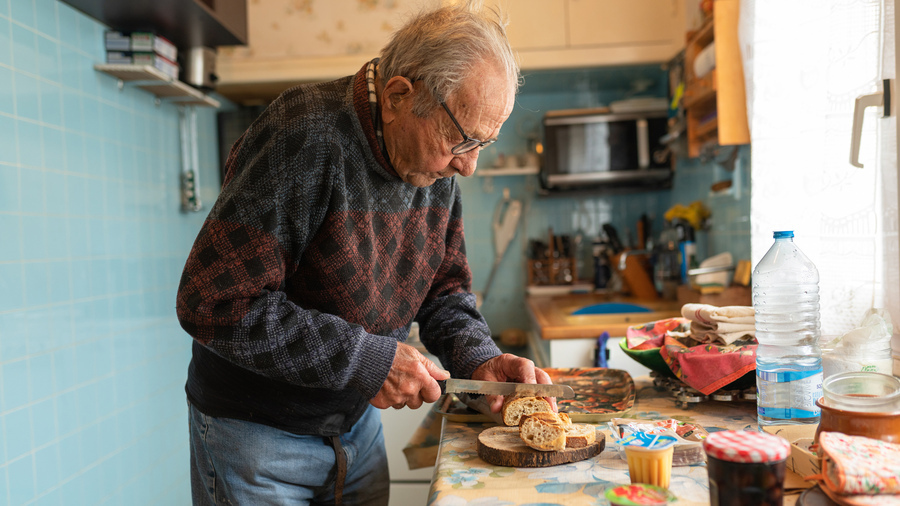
(746, 446)
(638, 494)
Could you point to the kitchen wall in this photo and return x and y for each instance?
(92, 242)
(580, 215)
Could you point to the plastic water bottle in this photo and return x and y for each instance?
(788, 359)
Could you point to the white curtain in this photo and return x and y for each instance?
(805, 62)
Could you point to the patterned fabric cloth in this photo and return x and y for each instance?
(853, 465)
(704, 367)
(313, 263)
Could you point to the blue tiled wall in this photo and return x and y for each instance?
(92, 241)
(584, 215)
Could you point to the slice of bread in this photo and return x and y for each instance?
(564, 419)
(579, 435)
(543, 431)
(515, 407)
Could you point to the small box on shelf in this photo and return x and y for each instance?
(140, 42)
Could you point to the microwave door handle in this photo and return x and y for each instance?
(643, 138)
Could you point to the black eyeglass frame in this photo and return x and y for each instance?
(469, 143)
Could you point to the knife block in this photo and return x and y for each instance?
(636, 277)
(552, 271)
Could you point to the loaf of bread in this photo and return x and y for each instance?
(548, 431)
(543, 431)
(516, 407)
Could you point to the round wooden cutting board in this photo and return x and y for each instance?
(502, 446)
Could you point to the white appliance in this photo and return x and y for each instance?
(408, 487)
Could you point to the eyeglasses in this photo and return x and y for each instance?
(468, 143)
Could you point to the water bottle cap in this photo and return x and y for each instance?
(787, 234)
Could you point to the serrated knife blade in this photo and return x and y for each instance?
(456, 385)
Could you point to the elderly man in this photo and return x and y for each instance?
(339, 224)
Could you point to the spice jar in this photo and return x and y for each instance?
(746, 468)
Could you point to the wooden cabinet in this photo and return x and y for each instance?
(715, 103)
(552, 34)
(289, 44)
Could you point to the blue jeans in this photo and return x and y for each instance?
(237, 462)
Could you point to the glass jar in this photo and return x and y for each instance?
(746, 468)
(868, 392)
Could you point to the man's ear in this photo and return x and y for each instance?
(395, 91)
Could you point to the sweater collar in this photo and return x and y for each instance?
(365, 101)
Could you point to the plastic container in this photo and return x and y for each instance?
(788, 358)
(688, 450)
(865, 392)
(746, 468)
(649, 458)
(867, 347)
(638, 494)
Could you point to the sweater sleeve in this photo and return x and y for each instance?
(232, 295)
(451, 326)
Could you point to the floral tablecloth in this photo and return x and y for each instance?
(462, 478)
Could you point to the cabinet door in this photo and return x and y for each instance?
(605, 22)
(535, 24)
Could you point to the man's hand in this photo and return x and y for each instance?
(509, 367)
(412, 381)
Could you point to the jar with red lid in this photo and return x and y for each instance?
(746, 468)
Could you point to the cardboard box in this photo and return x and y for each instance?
(140, 42)
(802, 461)
(117, 41)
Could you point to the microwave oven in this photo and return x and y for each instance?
(597, 149)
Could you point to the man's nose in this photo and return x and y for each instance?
(465, 163)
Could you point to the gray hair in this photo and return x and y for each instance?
(442, 47)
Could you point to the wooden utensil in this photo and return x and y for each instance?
(502, 446)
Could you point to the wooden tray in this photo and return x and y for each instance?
(600, 395)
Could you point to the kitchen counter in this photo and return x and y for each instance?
(553, 318)
(462, 478)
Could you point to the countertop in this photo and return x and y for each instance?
(552, 315)
(462, 478)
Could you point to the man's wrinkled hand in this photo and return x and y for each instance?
(411, 382)
(508, 367)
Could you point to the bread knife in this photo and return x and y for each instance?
(456, 385)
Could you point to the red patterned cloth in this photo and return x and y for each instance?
(704, 367)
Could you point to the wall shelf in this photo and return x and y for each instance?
(154, 81)
(504, 171)
(716, 104)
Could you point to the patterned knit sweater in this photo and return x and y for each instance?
(313, 263)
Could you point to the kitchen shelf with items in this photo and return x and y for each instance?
(158, 83)
(714, 96)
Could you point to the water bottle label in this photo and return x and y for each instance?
(788, 394)
(788, 376)
(786, 413)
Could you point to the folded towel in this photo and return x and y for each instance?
(705, 367)
(725, 325)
